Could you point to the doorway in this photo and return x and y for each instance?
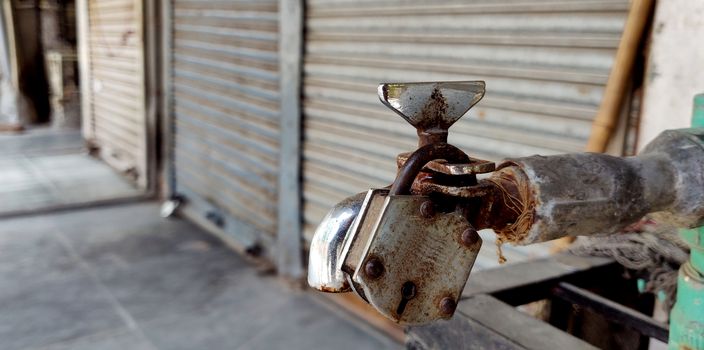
(72, 131)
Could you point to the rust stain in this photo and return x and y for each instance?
(433, 124)
(124, 38)
(326, 289)
(516, 205)
(434, 111)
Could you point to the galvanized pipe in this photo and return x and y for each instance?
(589, 193)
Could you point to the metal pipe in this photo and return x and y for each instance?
(589, 193)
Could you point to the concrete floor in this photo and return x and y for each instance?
(123, 278)
(43, 168)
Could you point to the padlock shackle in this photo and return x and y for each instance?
(422, 156)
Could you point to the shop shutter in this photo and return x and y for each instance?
(225, 101)
(116, 120)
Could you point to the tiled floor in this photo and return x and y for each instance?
(123, 278)
(45, 168)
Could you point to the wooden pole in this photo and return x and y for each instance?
(617, 84)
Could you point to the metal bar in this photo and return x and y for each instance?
(143, 56)
(5, 60)
(289, 232)
(151, 24)
(612, 311)
(84, 64)
(168, 124)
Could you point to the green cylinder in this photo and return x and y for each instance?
(698, 113)
(687, 316)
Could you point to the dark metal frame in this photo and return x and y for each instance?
(486, 317)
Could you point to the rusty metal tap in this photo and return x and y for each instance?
(408, 249)
(400, 239)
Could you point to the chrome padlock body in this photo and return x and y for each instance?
(324, 272)
(410, 264)
(335, 236)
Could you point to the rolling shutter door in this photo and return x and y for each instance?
(225, 94)
(545, 65)
(117, 120)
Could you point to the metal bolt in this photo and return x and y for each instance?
(447, 306)
(427, 209)
(374, 268)
(470, 237)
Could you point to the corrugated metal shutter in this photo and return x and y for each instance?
(545, 65)
(226, 111)
(117, 104)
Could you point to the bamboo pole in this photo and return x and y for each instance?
(617, 84)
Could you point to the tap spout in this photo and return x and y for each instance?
(324, 271)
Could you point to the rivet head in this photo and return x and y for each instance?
(470, 237)
(447, 306)
(374, 268)
(427, 209)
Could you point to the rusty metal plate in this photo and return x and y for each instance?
(417, 262)
(475, 166)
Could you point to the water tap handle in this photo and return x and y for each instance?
(431, 107)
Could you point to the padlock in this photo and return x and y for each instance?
(406, 258)
(397, 251)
